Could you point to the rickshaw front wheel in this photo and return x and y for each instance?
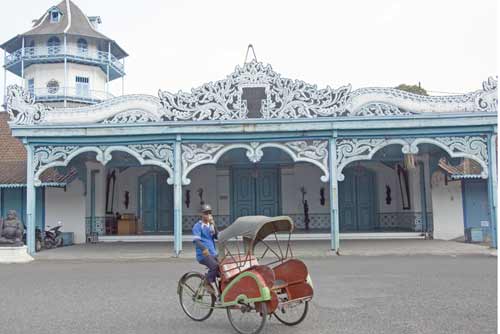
(196, 301)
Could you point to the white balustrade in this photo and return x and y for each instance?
(54, 52)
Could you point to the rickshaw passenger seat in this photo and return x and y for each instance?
(231, 267)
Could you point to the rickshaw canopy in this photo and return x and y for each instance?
(256, 227)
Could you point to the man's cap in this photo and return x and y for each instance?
(206, 208)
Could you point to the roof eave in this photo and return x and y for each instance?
(5, 45)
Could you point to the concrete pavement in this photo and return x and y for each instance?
(353, 295)
(121, 251)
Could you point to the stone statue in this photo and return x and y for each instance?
(11, 230)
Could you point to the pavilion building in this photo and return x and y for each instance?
(342, 162)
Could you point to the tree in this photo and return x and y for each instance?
(415, 89)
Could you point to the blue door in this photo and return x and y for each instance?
(357, 201)
(255, 192)
(147, 193)
(475, 203)
(156, 203)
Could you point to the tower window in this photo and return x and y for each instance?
(55, 15)
(82, 86)
(83, 46)
(52, 86)
(54, 45)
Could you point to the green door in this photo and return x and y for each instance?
(155, 203)
(266, 189)
(254, 192)
(357, 201)
(165, 210)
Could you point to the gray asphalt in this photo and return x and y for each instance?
(389, 294)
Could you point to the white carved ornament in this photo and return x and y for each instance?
(285, 98)
(45, 157)
(376, 101)
(354, 149)
(312, 151)
(222, 100)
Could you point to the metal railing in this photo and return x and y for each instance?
(96, 225)
(57, 52)
(48, 94)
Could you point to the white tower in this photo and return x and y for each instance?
(64, 60)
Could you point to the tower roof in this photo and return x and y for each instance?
(73, 22)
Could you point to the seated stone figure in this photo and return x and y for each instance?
(11, 230)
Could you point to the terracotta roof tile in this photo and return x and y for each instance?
(11, 149)
(13, 159)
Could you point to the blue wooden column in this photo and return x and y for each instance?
(334, 199)
(177, 197)
(30, 201)
(492, 186)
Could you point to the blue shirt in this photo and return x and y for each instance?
(204, 233)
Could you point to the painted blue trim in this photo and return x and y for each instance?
(423, 197)
(110, 139)
(30, 201)
(492, 168)
(177, 197)
(334, 203)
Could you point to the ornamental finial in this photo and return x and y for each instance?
(250, 46)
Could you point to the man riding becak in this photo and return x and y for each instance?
(204, 235)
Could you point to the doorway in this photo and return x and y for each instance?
(255, 192)
(155, 203)
(357, 201)
(475, 204)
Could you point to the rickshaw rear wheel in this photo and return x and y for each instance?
(196, 301)
(252, 315)
(295, 317)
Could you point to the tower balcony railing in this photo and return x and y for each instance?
(58, 53)
(75, 94)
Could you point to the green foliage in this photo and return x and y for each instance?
(415, 89)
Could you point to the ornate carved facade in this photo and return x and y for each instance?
(254, 109)
(285, 99)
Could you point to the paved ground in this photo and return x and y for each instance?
(376, 294)
(321, 248)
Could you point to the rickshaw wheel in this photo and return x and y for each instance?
(195, 300)
(248, 318)
(293, 315)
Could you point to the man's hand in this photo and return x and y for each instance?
(206, 252)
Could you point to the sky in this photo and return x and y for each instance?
(447, 46)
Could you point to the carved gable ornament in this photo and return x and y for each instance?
(252, 91)
(284, 98)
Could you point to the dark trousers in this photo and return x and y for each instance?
(212, 263)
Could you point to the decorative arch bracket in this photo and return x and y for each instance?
(312, 151)
(45, 157)
(355, 149)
